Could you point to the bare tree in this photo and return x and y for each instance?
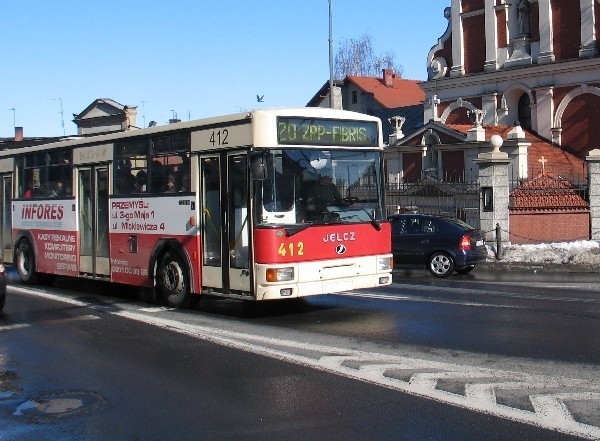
(356, 57)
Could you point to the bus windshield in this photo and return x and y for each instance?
(318, 187)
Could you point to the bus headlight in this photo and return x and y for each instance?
(280, 274)
(384, 263)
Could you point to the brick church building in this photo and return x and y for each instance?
(535, 62)
(526, 70)
(529, 62)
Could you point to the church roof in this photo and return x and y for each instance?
(543, 157)
(546, 193)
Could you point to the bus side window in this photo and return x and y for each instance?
(40, 173)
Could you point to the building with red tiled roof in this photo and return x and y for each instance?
(370, 94)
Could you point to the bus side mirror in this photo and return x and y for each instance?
(258, 166)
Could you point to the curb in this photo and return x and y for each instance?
(499, 265)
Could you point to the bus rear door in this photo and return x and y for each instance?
(93, 221)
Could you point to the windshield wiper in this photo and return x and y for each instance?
(290, 231)
(374, 222)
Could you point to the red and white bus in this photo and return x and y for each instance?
(227, 206)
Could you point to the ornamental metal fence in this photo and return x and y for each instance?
(432, 196)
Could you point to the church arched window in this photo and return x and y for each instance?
(525, 111)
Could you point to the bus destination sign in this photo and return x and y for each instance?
(326, 132)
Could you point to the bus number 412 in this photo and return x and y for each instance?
(219, 137)
(294, 249)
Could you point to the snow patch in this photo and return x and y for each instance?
(584, 252)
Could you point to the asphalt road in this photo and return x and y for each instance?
(488, 356)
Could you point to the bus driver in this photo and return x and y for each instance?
(321, 194)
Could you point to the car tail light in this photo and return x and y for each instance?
(465, 243)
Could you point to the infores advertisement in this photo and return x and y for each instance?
(52, 227)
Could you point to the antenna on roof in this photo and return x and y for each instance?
(62, 115)
(144, 113)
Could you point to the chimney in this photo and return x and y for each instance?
(18, 133)
(130, 117)
(388, 77)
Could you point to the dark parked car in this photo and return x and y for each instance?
(442, 244)
(2, 286)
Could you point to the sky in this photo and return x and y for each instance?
(190, 58)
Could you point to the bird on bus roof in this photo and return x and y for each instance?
(260, 99)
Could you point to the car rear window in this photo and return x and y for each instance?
(460, 223)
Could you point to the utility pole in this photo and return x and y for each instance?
(331, 104)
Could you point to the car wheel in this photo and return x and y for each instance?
(172, 280)
(440, 264)
(466, 270)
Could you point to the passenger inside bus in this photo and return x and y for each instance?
(141, 180)
(58, 191)
(321, 194)
(186, 183)
(125, 182)
(171, 188)
(157, 176)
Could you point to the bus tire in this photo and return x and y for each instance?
(172, 280)
(25, 260)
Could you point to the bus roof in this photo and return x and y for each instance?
(257, 115)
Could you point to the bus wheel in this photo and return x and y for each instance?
(173, 282)
(26, 263)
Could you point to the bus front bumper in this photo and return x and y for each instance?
(326, 277)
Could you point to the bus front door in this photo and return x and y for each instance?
(93, 221)
(225, 224)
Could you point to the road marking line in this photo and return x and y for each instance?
(397, 298)
(429, 380)
(553, 406)
(13, 327)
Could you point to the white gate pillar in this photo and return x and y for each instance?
(494, 190)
